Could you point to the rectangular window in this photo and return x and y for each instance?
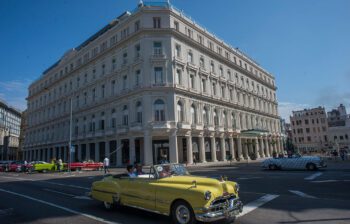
(176, 25)
(113, 87)
(125, 58)
(157, 48)
(103, 91)
(192, 82)
(158, 75)
(93, 94)
(137, 50)
(204, 85)
(137, 25)
(178, 50)
(139, 117)
(178, 76)
(156, 22)
(113, 122)
(137, 77)
(125, 80)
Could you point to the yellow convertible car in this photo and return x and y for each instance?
(169, 189)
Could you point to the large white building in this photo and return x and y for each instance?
(158, 84)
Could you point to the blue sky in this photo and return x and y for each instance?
(304, 43)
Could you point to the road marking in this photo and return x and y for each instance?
(302, 194)
(59, 207)
(48, 182)
(66, 185)
(248, 178)
(328, 181)
(313, 176)
(17, 178)
(257, 203)
(82, 197)
(58, 192)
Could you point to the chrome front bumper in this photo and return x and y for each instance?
(230, 210)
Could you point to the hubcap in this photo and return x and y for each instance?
(107, 205)
(182, 214)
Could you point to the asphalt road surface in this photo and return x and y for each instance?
(269, 196)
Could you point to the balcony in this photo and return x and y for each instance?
(160, 125)
(183, 125)
(122, 129)
(197, 126)
(219, 128)
(136, 126)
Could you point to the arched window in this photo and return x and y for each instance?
(159, 110)
(205, 116)
(139, 112)
(180, 112)
(193, 115)
(216, 118)
(125, 115)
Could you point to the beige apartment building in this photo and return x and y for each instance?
(339, 129)
(160, 86)
(309, 129)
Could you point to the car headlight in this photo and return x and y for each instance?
(237, 187)
(207, 195)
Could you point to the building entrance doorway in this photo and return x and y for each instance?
(160, 151)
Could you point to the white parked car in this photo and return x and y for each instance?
(294, 162)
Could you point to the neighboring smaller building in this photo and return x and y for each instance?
(10, 120)
(339, 129)
(310, 129)
(22, 134)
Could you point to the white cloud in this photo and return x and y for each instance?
(285, 108)
(14, 92)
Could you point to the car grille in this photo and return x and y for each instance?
(221, 203)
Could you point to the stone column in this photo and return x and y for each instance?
(132, 150)
(202, 149)
(189, 149)
(97, 152)
(232, 149)
(49, 157)
(213, 149)
(65, 154)
(222, 148)
(107, 149)
(239, 148)
(266, 150)
(174, 154)
(246, 149)
(257, 148)
(147, 148)
(262, 147)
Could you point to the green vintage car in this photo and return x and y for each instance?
(41, 166)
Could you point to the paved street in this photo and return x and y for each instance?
(269, 196)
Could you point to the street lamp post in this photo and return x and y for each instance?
(70, 136)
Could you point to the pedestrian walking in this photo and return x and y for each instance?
(59, 165)
(106, 165)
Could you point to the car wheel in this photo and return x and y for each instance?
(182, 213)
(272, 167)
(311, 166)
(108, 205)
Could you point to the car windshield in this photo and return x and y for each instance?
(167, 170)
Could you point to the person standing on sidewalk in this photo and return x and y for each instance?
(106, 165)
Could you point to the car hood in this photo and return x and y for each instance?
(217, 187)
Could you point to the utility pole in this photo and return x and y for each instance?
(70, 136)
